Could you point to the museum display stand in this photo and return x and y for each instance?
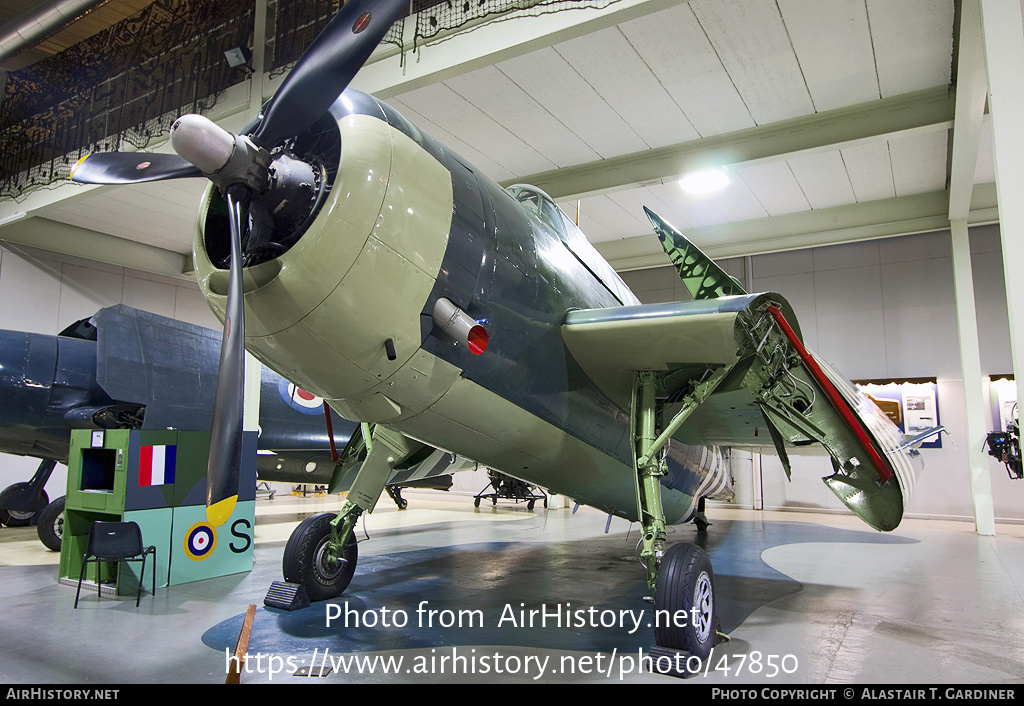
(157, 479)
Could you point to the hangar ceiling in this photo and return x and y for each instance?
(835, 120)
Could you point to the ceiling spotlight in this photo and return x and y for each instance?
(704, 182)
(236, 57)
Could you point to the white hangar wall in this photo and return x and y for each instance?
(43, 292)
(880, 309)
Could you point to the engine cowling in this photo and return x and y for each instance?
(360, 272)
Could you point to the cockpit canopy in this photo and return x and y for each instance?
(544, 207)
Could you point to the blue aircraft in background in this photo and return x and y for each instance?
(129, 369)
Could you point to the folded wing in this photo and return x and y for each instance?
(768, 385)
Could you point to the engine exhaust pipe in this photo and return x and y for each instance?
(457, 324)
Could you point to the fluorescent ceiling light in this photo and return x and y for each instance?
(12, 218)
(704, 182)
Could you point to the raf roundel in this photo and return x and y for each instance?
(300, 400)
(200, 541)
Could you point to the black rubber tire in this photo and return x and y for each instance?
(302, 562)
(685, 579)
(50, 526)
(21, 519)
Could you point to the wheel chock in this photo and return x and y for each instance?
(286, 596)
(670, 662)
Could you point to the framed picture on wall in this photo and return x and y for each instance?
(912, 405)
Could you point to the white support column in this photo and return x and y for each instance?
(251, 393)
(259, 54)
(1003, 33)
(970, 364)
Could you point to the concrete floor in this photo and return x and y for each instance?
(804, 598)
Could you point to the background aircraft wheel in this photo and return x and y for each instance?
(686, 583)
(304, 559)
(51, 524)
(18, 518)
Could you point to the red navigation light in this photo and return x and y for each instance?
(477, 340)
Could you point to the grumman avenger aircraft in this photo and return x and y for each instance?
(382, 272)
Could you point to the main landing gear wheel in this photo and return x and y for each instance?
(686, 586)
(306, 559)
(50, 526)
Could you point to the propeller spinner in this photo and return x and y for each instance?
(255, 179)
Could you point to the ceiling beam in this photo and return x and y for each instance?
(864, 221)
(53, 236)
(910, 113)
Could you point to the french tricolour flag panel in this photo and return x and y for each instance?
(156, 465)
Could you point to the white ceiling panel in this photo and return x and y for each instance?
(602, 219)
(631, 90)
(919, 163)
(478, 159)
(823, 179)
(677, 50)
(832, 42)
(913, 42)
(753, 45)
(443, 106)
(556, 85)
(497, 96)
(870, 171)
(737, 202)
(775, 187)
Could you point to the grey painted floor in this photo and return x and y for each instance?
(804, 598)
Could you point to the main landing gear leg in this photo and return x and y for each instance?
(685, 616)
(321, 554)
(19, 502)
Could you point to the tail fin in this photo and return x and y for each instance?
(702, 276)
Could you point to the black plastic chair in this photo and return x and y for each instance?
(116, 541)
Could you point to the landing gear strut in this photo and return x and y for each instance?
(681, 576)
(19, 502)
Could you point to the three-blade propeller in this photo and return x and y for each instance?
(240, 165)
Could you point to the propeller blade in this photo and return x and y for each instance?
(131, 168)
(223, 471)
(326, 68)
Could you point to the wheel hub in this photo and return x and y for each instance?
(327, 568)
(703, 603)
